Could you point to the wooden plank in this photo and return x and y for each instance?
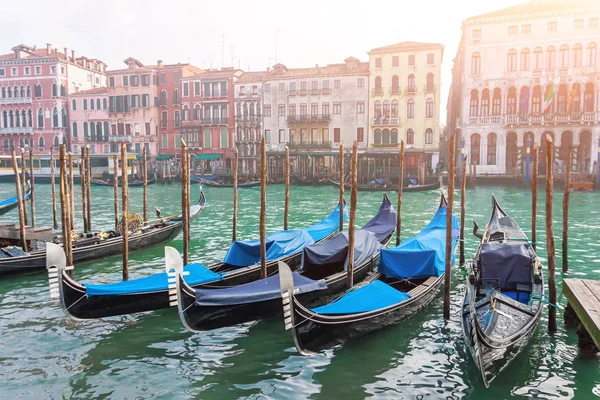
(585, 301)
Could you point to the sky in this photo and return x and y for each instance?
(251, 35)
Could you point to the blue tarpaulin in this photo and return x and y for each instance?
(261, 290)
(510, 263)
(422, 255)
(197, 274)
(282, 243)
(14, 199)
(384, 222)
(373, 296)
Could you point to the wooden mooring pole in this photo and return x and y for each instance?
(534, 196)
(52, 182)
(24, 184)
(32, 183)
(341, 185)
(184, 201)
(352, 220)
(116, 190)
(286, 206)
(71, 187)
(449, 249)
(400, 187)
(20, 202)
(145, 172)
(235, 194)
(550, 246)
(65, 208)
(88, 184)
(125, 211)
(463, 210)
(263, 208)
(565, 230)
(83, 177)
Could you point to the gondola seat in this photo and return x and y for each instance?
(508, 265)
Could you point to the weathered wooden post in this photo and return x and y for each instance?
(21, 202)
(32, 183)
(184, 194)
(71, 187)
(88, 183)
(83, 177)
(565, 231)
(65, 208)
(463, 210)
(263, 208)
(352, 220)
(550, 247)
(286, 207)
(534, 196)
(341, 185)
(235, 194)
(449, 249)
(145, 172)
(116, 190)
(400, 187)
(24, 184)
(52, 182)
(125, 211)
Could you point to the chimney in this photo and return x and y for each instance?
(48, 48)
(66, 52)
(160, 64)
(73, 55)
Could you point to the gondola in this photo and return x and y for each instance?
(98, 245)
(408, 278)
(247, 184)
(131, 183)
(309, 181)
(13, 202)
(387, 186)
(321, 275)
(502, 306)
(86, 301)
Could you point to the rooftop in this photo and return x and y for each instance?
(23, 51)
(406, 46)
(279, 71)
(98, 90)
(539, 6)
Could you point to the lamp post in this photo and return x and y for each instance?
(527, 161)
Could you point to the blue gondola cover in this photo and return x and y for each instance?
(373, 296)
(422, 255)
(510, 263)
(384, 222)
(261, 290)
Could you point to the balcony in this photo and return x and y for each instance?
(489, 119)
(411, 90)
(120, 139)
(216, 94)
(314, 91)
(386, 145)
(16, 100)
(429, 89)
(537, 73)
(304, 119)
(394, 91)
(303, 92)
(215, 121)
(309, 145)
(543, 119)
(325, 91)
(377, 91)
(292, 92)
(7, 131)
(385, 122)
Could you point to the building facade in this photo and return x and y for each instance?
(35, 85)
(89, 121)
(404, 101)
(525, 73)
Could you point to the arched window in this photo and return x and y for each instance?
(485, 103)
(56, 141)
(395, 84)
(98, 104)
(378, 89)
(377, 110)
(4, 119)
(98, 131)
(85, 129)
(385, 136)
(511, 102)
(491, 149)
(429, 108)
(92, 131)
(550, 57)
(430, 86)
(428, 136)
(64, 117)
(16, 92)
(386, 109)
(22, 91)
(54, 90)
(577, 55)
(104, 104)
(21, 143)
(92, 104)
(186, 113)
(410, 137)
(588, 98)
(40, 120)
(411, 83)
(9, 92)
(11, 143)
(41, 143)
(410, 109)
(85, 104)
(24, 118)
(394, 109)
(74, 129)
(197, 112)
(5, 143)
(207, 139)
(575, 99)
(475, 142)
(525, 59)
(511, 61)
(394, 136)
(28, 91)
(38, 90)
(63, 91)
(592, 54)
(163, 97)
(524, 101)
(377, 136)
(474, 103)
(105, 131)
(3, 93)
(176, 99)
(564, 56)
(17, 119)
(562, 99)
(74, 105)
(536, 100)
(11, 119)
(476, 63)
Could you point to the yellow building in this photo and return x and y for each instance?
(404, 102)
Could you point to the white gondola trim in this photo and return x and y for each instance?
(69, 268)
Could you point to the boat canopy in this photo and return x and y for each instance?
(510, 263)
(253, 292)
(422, 255)
(282, 243)
(384, 222)
(198, 274)
(373, 296)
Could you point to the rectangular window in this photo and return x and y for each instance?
(14, 71)
(135, 80)
(163, 77)
(27, 70)
(53, 69)
(292, 110)
(411, 59)
(164, 119)
(135, 100)
(336, 135)
(281, 110)
(303, 109)
(337, 108)
(176, 77)
(314, 86)
(165, 141)
(314, 109)
(303, 87)
(292, 135)
(360, 107)
(145, 100)
(476, 34)
(292, 87)
(593, 22)
(337, 84)
(282, 87)
(430, 58)
(177, 141)
(111, 81)
(148, 131)
(378, 62)
(526, 28)
(146, 80)
(38, 70)
(325, 86)
(552, 26)
(267, 135)
(513, 30)
(282, 136)
(177, 118)
(360, 134)
(267, 87)
(325, 108)
(254, 89)
(128, 129)
(186, 89)
(395, 61)
(360, 82)
(267, 111)
(125, 80)
(136, 129)
(578, 24)
(2, 72)
(197, 88)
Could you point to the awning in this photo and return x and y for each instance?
(164, 157)
(141, 157)
(208, 157)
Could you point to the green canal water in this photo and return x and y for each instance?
(43, 354)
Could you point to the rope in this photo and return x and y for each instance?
(541, 297)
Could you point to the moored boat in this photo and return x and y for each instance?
(12, 202)
(385, 185)
(131, 183)
(246, 184)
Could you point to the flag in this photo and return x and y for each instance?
(570, 102)
(548, 99)
(524, 102)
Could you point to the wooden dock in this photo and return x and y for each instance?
(584, 299)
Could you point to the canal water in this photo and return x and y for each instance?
(43, 354)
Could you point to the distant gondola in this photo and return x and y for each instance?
(247, 184)
(408, 279)
(321, 275)
(98, 245)
(131, 183)
(502, 303)
(386, 186)
(85, 301)
(13, 202)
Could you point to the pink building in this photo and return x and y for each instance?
(34, 89)
(88, 116)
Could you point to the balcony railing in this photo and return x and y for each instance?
(314, 91)
(429, 89)
(377, 91)
(292, 92)
(303, 119)
(215, 121)
(16, 100)
(120, 139)
(385, 122)
(309, 145)
(325, 91)
(537, 73)
(587, 117)
(303, 92)
(22, 130)
(394, 90)
(215, 94)
(411, 90)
